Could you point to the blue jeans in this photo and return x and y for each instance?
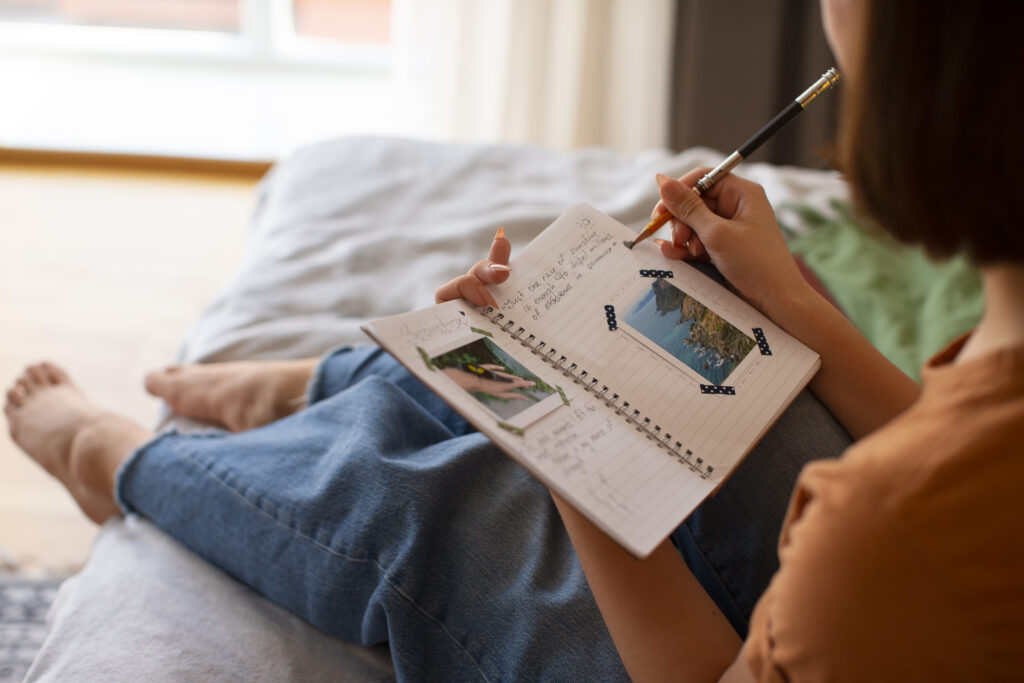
(379, 515)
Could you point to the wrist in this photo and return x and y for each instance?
(796, 306)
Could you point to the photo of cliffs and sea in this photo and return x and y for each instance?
(687, 330)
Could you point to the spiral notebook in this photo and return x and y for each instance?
(630, 384)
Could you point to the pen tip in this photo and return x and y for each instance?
(628, 244)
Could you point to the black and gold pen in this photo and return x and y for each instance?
(827, 80)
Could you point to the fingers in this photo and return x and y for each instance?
(512, 396)
(516, 381)
(448, 291)
(696, 249)
(685, 205)
(499, 371)
(681, 201)
(670, 250)
(468, 287)
(495, 269)
(681, 234)
(686, 239)
(492, 271)
(738, 198)
(691, 250)
(689, 179)
(501, 248)
(724, 197)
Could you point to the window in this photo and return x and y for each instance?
(348, 21)
(353, 33)
(222, 78)
(351, 21)
(194, 15)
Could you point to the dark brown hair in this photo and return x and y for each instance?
(932, 133)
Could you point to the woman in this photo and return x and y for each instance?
(903, 560)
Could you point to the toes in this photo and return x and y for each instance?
(43, 374)
(184, 389)
(36, 376)
(168, 385)
(14, 397)
(158, 383)
(55, 374)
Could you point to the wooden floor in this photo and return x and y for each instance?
(101, 271)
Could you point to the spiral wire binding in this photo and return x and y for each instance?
(591, 385)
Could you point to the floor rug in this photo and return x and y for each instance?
(23, 607)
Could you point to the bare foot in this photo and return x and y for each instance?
(72, 438)
(238, 395)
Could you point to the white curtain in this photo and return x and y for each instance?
(559, 73)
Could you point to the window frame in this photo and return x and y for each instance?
(266, 39)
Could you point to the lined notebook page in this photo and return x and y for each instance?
(558, 294)
(611, 473)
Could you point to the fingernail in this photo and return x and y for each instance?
(498, 268)
(660, 242)
(501, 233)
(662, 179)
(489, 299)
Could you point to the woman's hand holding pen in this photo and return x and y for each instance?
(491, 271)
(734, 226)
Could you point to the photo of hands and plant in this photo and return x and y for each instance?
(491, 376)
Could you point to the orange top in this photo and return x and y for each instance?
(904, 560)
